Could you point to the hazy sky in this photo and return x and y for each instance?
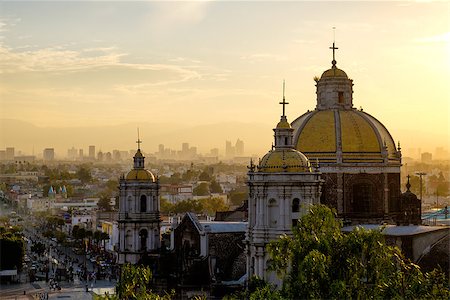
(106, 63)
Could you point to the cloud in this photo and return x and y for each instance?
(439, 38)
(258, 57)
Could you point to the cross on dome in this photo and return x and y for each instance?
(284, 103)
(334, 60)
(138, 141)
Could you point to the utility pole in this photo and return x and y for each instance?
(420, 176)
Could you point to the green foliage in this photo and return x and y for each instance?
(133, 284)
(103, 203)
(215, 187)
(319, 261)
(237, 196)
(204, 176)
(84, 174)
(12, 249)
(206, 206)
(38, 248)
(201, 190)
(257, 289)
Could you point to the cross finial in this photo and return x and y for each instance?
(408, 185)
(284, 103)
(138, 140)
(334, 48)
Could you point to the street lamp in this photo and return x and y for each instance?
(420, 174)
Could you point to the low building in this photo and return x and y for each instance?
(210, 251)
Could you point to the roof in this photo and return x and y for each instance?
(140, 175)
(334, 72)
(284, 160)
(216, 227)
(222, 227)
(359, 136)
(394, 230)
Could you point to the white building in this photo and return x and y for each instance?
(281, 188)
(139, 220)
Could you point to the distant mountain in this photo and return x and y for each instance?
(26, 136)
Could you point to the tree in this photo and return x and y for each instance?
(103, 203)
(215, 187)
(12, 249)
(201, 190)
(134, 284)
(84, 174)
(211, 205)
(204, 176)
(319, 261)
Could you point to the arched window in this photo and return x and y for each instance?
(143, 203)
(128, 239)
(296, 205)
(128, 207)
(143, 235)
(273, 213)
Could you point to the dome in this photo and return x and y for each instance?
(334, 72)
(283, 124)
(140, 175)
(284, 160)
(325, 134)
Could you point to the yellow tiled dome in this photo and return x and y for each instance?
(357, 135)
(334, 72)
(284, 160)
(140, 175)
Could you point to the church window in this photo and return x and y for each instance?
(285, 141)
(143, 235)
(296, 205)
(273, 213)
(294, 222)
(341, 97)
(143, 203)
(128, 238)
(129, 204)
(362, 197)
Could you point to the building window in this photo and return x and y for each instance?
(362, 198)
(294, 222)
(143, 234)
(273, 213)
(143, 203)
(341, 97)
(296, 205)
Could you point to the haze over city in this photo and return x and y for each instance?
(81, 73)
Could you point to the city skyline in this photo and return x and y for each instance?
(188, 64)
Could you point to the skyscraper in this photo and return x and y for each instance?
(92, 152)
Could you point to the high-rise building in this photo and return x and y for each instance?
(49, 154)
(72, 153)
(10, 153)
(229, 150)
(81, 153)
(92, 152)
(239, 148)
(426, 157)
(2, 154)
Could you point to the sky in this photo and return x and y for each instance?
(193, 63)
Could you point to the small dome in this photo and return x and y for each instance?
(138, 153)
(334, 72)
(283, 124)
(284, 160)
(140, 175)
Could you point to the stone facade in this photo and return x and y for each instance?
(138, 219)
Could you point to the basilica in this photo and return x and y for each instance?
(336, 155)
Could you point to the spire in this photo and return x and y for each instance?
(284, 103)
(333, 62)
(283, 131)
(138, 140)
